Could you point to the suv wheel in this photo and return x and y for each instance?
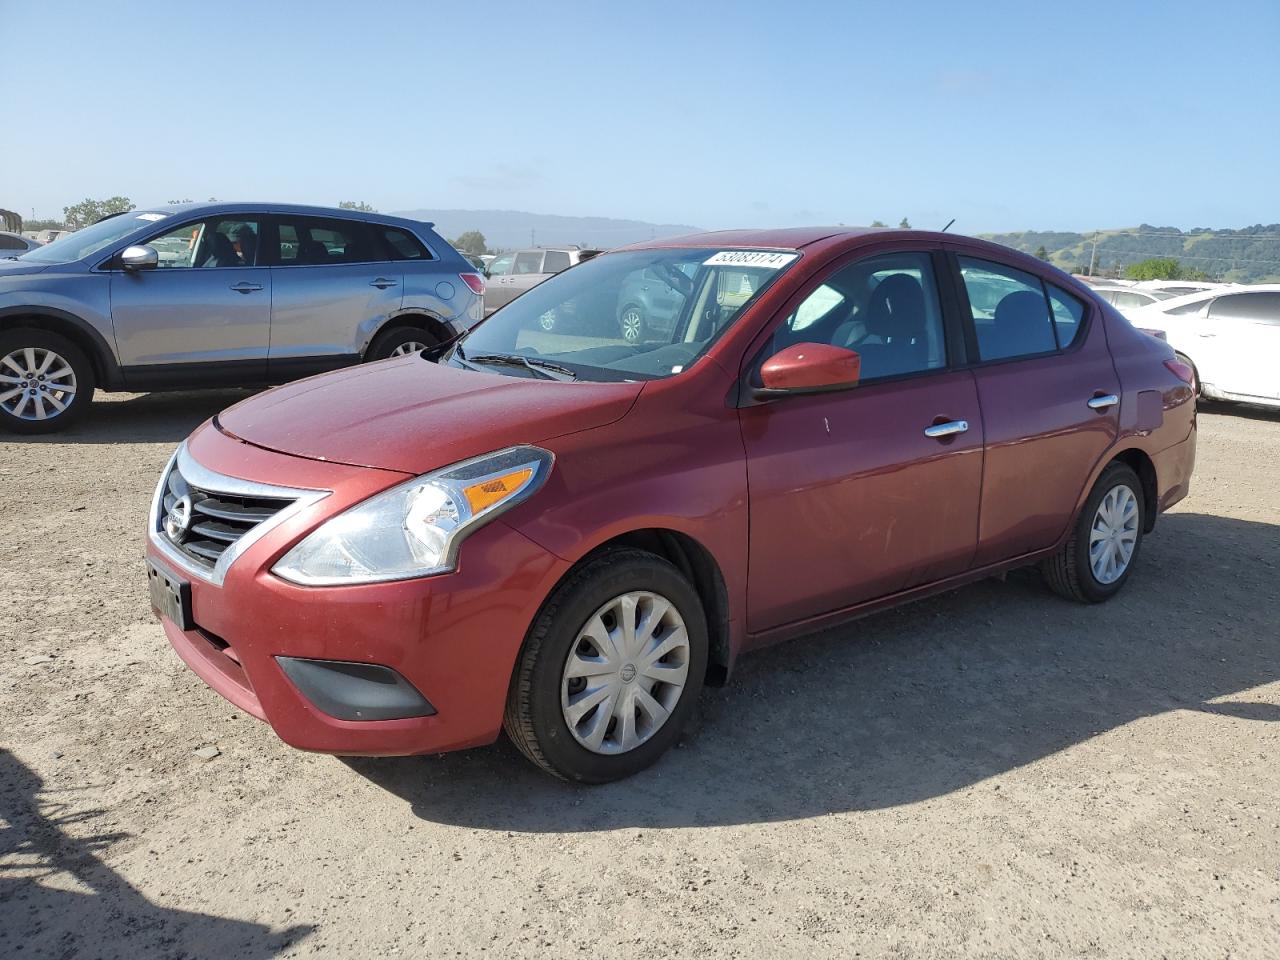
(397, 342)
(46, 381)
(610, 670)
(631, 323)
(1100, 554)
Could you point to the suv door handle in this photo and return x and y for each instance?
(938, 430)
(244, 286)
(382, 283)
(1102, 401)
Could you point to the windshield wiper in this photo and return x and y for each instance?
(543, 368)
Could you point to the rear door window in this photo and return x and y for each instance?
(1068, 314)
(1010, 310)
(320, 241)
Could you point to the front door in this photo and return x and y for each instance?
(850, 498)
(497, 289)
(207, 302)
(1050, 404)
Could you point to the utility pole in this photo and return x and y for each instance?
(533, 237)
(1093, 257)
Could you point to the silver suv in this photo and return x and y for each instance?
(219, 294)
(511, 274)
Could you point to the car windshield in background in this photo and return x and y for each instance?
(82, 243)
(643, 314)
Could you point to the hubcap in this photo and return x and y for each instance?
(632, 324)
(548, 320)
(625, 673)
(1114, 534)
(36, 384)
(413, 346)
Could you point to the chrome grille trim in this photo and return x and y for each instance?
(208, 481)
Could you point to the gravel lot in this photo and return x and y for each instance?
(992, 773)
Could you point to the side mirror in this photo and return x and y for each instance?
(139, 258)
(808, 368)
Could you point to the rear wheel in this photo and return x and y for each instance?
(46, 381)
(631, 323)
(1103, 547)
(611, 669)
(398, 342)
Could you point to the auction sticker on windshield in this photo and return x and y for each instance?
(750, 258)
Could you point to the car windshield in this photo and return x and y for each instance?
(84, 243)
(642, 314)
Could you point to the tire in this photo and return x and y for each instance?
(1071, 572)
(398, 341)
(542, 695)
(631, 323)
(54, 362)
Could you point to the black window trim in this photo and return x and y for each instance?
(970, 329)
(272, 240)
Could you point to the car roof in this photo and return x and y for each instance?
(797, 238)
(1164, 306)
(223, 206)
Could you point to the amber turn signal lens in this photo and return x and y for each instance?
(481, 496)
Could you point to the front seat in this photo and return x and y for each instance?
(222, 252)
(895, 314)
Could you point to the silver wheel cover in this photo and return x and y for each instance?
(413, 346)
(1113, 535)
(625, 673)
(36, 384)
(632, 325)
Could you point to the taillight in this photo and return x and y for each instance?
(474, 281)
(1181, 370)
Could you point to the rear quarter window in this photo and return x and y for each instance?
(402, 245)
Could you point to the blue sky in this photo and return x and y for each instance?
(1002, 115)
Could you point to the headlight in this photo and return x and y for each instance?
(413, 530)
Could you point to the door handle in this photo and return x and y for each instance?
(951, 427)
(382, 283)
(244, 286)
(1102, 401)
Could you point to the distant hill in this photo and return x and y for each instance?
(1247, 255)
(509, 229)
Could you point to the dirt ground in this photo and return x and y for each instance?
(991, 773)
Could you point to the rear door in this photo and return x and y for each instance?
(1241, 337)
(333, 286)
(1050, 403)
(206, 303)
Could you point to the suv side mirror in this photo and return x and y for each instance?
(808, 368)
(139, 258)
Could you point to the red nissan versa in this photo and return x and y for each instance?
(566, 531)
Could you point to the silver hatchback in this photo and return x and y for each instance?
(219, 294)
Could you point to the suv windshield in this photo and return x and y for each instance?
(642, 314)
(82, 243)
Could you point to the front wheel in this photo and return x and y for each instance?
(610, 670)
(1103, 547)
(631, 323)
(46, 381)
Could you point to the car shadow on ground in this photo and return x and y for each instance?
(144, 418)
(57, 898)
(920, 701)
(1249, 411)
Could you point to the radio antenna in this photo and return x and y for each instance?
(949, 223)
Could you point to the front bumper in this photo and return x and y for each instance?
(454, 638)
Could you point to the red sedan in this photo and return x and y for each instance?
(566, 530)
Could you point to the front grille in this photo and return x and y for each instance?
(203, 524)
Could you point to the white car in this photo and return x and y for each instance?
(1230, 336)
(1126, 299)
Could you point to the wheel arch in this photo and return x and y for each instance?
(1140, 462)
(700, 566)
(84, 335)
(431, 324)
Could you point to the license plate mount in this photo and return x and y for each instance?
(170, 596)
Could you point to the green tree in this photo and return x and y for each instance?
(878, 223)
(358, 205)
(1154, 268)
(905, 224)
(43, 225)
(472, 242)
(91, 211)
(1042, 253)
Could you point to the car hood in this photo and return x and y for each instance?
(411, 415)
(21, 268)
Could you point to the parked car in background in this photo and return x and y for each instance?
(219, 294)
(15, 244)
(566, 533)
(1229, 335)
(1129, 298)
(511, 274)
